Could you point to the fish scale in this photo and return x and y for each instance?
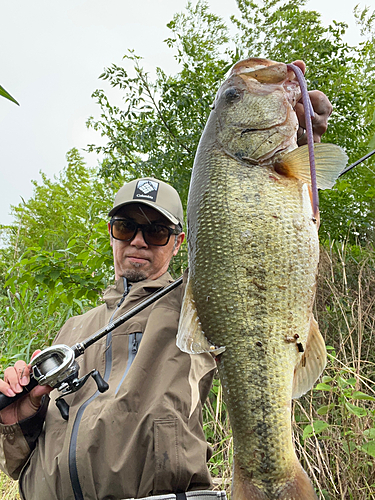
(253, 257)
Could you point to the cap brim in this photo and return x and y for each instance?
(164, 212)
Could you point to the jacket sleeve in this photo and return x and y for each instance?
(17, 441)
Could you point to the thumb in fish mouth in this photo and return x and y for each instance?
(322, 108)
(300, 64)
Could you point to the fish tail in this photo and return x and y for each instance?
(298, 487)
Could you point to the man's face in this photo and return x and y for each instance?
(135, 259)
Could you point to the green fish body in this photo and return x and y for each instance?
(253, 258)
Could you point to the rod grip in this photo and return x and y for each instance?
(8, 400)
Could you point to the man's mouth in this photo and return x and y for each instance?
(136, 259)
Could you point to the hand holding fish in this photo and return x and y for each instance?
(322, 109)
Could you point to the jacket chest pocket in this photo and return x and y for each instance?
(133, 340)
(167, 448)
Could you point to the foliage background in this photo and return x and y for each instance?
(56, 259)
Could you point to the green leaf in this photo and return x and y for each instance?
(362, 395)
(329, 347)
(323, 410)
(53, 306)
(322, 387)
(317, 427)
(369, 433)
(356, 410)
(71, 243)
(6, 94)
(349, 449)
(342, 382)
(348, 392)
(369, 448)
(10, 281)
(54, 275)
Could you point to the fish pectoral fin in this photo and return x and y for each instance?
(330, 161)
(312, 363)
(190, 336)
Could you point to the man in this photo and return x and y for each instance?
(144, 436)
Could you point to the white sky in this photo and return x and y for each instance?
(52, 53)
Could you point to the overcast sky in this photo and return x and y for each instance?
(52, 53)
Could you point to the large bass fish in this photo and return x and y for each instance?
(253, 257)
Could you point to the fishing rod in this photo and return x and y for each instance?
(357, 163)
(56, 366)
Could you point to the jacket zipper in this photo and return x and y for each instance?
(73, 470)
(134, 341)
(134, 346)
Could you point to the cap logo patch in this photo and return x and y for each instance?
(146, 190)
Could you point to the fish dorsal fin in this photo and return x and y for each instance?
(312, 362)
(190, 336)
(330, 161)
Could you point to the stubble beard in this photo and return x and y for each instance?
(135, 275)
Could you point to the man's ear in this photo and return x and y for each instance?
(180, 239)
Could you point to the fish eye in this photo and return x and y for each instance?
(231, 95)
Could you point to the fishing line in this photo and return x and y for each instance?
(309, 114)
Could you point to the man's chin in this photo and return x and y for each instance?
(134, 275)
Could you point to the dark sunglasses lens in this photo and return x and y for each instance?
(123, 230)
(156, 234)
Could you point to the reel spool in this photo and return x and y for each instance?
(54, 365)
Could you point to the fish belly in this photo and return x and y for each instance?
(253, 256)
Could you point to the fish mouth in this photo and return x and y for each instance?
(262, 70)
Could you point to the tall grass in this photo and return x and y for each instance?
(219, 435)
(335, 423)
(26, 324)
(8, 488)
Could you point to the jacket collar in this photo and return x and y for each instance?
(113, 293)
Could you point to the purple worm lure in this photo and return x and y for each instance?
(309, 113)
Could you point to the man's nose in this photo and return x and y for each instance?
(138, 240)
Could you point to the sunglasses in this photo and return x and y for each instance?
(153, 234)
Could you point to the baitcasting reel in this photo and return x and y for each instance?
(56, 366)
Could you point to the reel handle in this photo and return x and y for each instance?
(8, 400)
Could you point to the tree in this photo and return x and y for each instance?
(158, 130)
(59, 241)
(60, 207)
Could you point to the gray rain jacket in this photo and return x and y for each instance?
(144, 435)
